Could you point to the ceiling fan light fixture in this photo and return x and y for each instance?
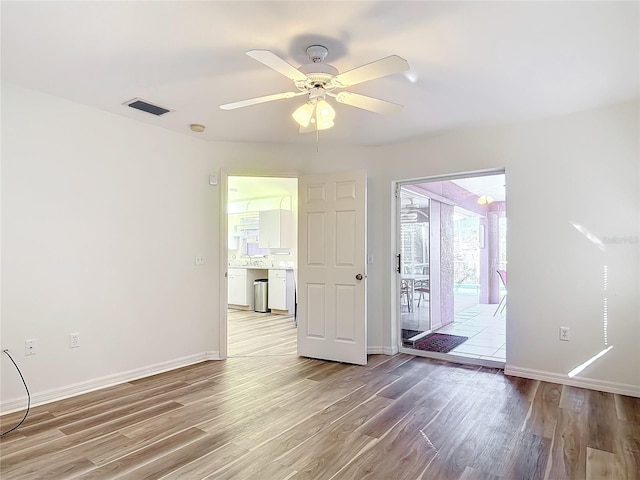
(325, 110)
(303, 114)
(325, 114)
(485, 200)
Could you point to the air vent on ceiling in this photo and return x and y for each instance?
(145, 106)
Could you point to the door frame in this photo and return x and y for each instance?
(396, 324)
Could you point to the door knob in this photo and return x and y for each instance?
(359, 276)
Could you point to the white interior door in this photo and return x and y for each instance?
(331, 267)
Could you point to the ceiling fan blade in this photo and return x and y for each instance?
(257, 100)
(370, 71)
(273, 61)
(367, 103)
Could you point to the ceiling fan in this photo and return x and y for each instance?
(317, 80)
(409, 212)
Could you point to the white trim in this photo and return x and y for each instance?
(213, 356)
(80, 388)
(381, 351)
(224, 263)
(590, 383)
(452, 357)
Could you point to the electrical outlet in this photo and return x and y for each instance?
(74, 340)
(564, 334)
(198, 260)
(30, 347)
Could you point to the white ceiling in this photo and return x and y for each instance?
(472, 63)
(489, 185)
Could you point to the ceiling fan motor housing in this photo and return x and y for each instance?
(317, 53)
(318, 73)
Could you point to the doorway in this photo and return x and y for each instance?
(451, 235)
(262, 258)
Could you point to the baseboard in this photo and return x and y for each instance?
(382, 351)
(79, 388)
(590, 383)
(212, 356)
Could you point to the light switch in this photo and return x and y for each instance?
(213, 179)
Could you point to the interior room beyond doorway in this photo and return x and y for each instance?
(262, 259)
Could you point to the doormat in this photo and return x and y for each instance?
(439, 342)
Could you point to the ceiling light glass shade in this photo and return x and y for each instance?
(303, 114)
(485, 200)
(324, 115)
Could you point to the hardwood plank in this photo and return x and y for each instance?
(322, 455)
(568, 458)
(574, 399)
(210, 462)
(544, 409)
(145, 456)
(260, 334)
(530, 458)
(500, 425)
(304, 428)
(603, 466)
(16, 443)
(474, 474)
(627, 448)
(404, 442)
(280, 417)
(252, 465)
(627, 408)
(176, 459)
(603, 418)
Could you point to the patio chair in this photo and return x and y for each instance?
(421, 287)
(404, 293)
(503, 301)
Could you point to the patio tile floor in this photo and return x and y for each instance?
(486, 332)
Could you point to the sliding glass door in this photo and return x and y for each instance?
(451, 241)
(414, 266)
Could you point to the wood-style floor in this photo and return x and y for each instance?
(286, 417)
(258, 334)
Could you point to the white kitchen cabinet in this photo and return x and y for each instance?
(281, 291)
(240, 286)
(278, 289)
(276, 229)
(237, 287)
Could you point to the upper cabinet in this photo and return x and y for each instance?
(242, 227)
(276, 229)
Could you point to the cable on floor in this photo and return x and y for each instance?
(28, 395)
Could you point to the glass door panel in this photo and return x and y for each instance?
(414, 266)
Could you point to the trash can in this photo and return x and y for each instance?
(261, 295)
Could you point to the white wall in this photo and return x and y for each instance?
(101, 219)
(583, 169)
(102, 216)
